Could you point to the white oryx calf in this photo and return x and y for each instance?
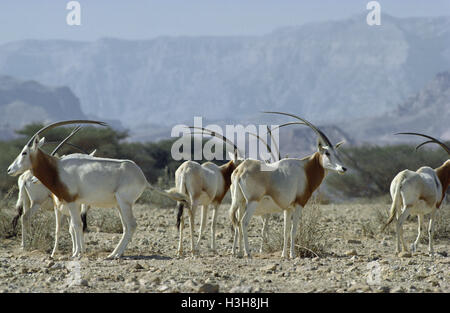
(409, 187)
(285, 188)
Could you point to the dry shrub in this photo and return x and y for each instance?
(7, 213)
(42, 232)
(310, 240)
(105, 220)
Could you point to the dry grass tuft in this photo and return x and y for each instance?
(310, 241)
(105, 220)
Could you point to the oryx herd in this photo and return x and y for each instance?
(73, 183)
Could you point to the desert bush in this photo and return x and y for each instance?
(105, 220)
(7, 212)
(372, 168)
(310, 240)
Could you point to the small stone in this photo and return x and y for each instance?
(50, 264)
(138, 266)
(209, 288)
(351, 252)
(354, 241)
(190, 284)
(404, 254)
(84, 282)
(163, 288)
(269, 268)
(383, 289)
(398, 289)
(241, 289)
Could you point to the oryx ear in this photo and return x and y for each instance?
(37, 143)
(339, 144)
(320, 147)
(232, 156)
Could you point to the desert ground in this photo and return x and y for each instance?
(340, 245)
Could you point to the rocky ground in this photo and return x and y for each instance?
(355, 258)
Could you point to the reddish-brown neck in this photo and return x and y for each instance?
(226, 170)
(45, 168)
(443, 173)
(315, 174)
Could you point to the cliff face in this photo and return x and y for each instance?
(327, 72)
(24, 102)
(428, 111)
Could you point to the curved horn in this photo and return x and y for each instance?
(80, 149)
(273, 141)
(53, 125)
(215, 134)
(318, 131)
(444, 146)
(76, 130)
(264, 142)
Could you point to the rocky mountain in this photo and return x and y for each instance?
(23, 102)
(328, 72)
(428, 112)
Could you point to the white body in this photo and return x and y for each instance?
(407, 190)
(285, 189)
(204, 185)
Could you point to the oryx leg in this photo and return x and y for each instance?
(419, 232)
(248, 213)
(213, 227)
(204, 214)
(191, 214)
(58, 218)
(430, 232)
(286, 228)
(180, 241)
(24, 220)
(75, 223)
(265, 221)
(403, 216)
(128, 224)
(296, 215)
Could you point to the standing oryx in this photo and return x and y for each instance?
(204, 185)
(81, 179)
(283, 186)
(33, 195)
(408, 188)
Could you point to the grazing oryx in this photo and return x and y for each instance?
(408, 188)
(33, 195)
(286, 187)
(81, 179)
(205, 185)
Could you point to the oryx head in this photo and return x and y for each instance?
(329, 154)
(23, 163)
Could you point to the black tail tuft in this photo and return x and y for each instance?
(16, 218)
(84, 221)
(180, 207)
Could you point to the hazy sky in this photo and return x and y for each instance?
(144, 19)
